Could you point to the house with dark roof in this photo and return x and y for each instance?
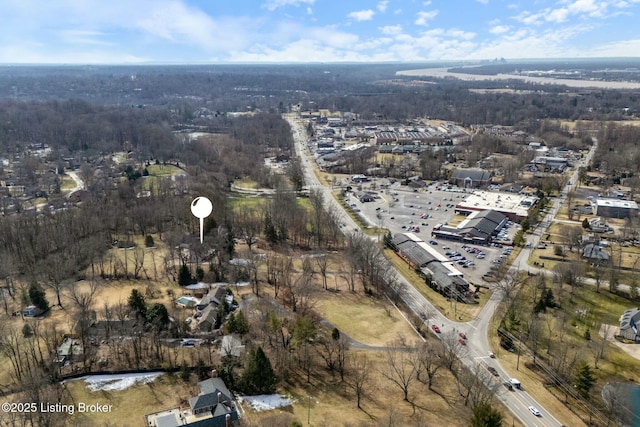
(471, 177)
(629, 324)
(595, 253)
(213, 407)
(208, 319)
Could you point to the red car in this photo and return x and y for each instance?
(436, 329)
(461, 341)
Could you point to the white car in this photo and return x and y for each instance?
(535, 411)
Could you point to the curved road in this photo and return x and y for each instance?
(477, 330)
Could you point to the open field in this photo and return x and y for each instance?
(363, 318)
(163, 170)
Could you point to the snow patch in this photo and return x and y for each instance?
(118, 381)
(266, 402)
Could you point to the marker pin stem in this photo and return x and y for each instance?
(201, 229)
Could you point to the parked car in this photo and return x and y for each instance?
(435, 328)
(462, 335)
(462, 342)
(491, 355)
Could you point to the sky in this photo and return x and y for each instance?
(302, 31)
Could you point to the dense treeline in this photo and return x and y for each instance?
(452, 100)
(618, 154)
(372, 91)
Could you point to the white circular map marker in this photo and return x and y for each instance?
(201, 208)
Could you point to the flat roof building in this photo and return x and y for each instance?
(615, 208)
(513, 206)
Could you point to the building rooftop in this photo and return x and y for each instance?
(498, 201)
(617, 203)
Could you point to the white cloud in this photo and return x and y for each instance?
(87, 37)
(382, 6)
(425, 17)
(391, 29)
(362, 15)
(272, 5)
(622, 48)
(309, 11)
(557, 15)
(483, 1)
(499, 29)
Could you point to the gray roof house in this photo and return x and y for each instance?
(595, 253)
(213, 407)
(629, 324)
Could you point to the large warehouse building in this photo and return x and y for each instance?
(513, 206)
(442, 274)
(616, 208)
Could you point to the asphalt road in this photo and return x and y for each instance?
(477, 348)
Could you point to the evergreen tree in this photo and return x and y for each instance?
(485, 415)
(38, 297)
(137, 304)
(585, 224)
(237, 324)
(335, 334)
(258, 376)
(199, 274)
(149, 242)
(185, 371)
(184, 275)
(584, 379)
(158, 316)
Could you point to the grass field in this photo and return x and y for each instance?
(163, 170)
(67, 183)
(363, 318)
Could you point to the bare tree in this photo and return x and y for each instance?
(401, 367)
(322, 261)
(138, 262)
(599, 345)
(248, 223)
(452, 350)
(475, 385)
(429, 359)
(360, 376)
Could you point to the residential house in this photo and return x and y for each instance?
(595, 253)
(213, 407)
(629, 324)
(69, 350)
(32, 311)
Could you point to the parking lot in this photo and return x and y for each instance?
(401, 209)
